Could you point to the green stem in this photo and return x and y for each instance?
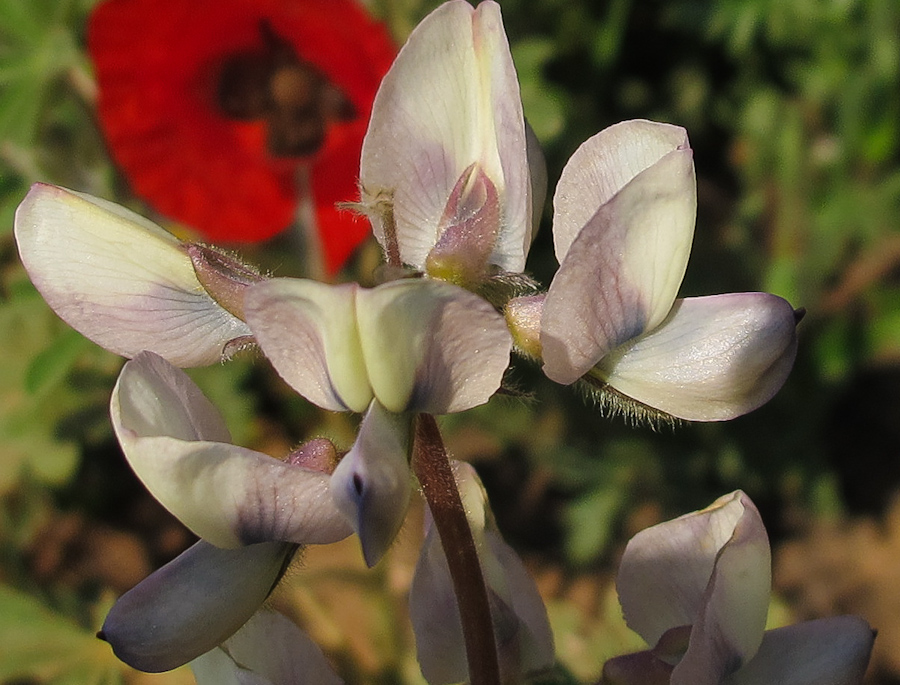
(432, 468)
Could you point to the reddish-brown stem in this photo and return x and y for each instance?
(432, 468)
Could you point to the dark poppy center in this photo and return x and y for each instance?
(296, 101)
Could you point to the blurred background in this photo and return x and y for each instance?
(793, 110)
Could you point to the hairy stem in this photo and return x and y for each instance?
(432, 468)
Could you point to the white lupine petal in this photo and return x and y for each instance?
(162, 400)
(269, 649)
(464, 109)
(226, 494)
(524, 640)
(120, 280)
(537, 168)
(192, 604)
(601, 167)
(828, 651)
(371, 484)
(729, 629)
(665, 570)
(623, 270)
(430, 346)
(308, 331)
(713, 359)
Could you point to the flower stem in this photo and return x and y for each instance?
(432, 468)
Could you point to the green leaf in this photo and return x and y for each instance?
(49, 368)
(38, 643)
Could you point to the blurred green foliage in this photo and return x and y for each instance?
(793, 109)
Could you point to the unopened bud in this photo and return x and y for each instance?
(318, 454)
(523, 316)
(468, 230)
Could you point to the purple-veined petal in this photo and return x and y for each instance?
(676, 573)
(524, 640)
(371, 484)
(828, 651)
(622, 272)
(192, 604)
(119, 279)
(430, 346)
(268, 650)
(465, 108)
(713, 358)
(226, 494)
(308, 330)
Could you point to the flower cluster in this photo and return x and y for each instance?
(452, 181)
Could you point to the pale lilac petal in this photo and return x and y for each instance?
(623, 270)
(192, 604)
(601, 167)
(430, 346)
(713, 359)
(537, 168)
(464, 108)
(730, 627)
(226, 494)
(829, 651)
(308, 331)
(524, 640)
(371, 484)
(268, 650)
(120, 280)
(665, 572)
(639, 668)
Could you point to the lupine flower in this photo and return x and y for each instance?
(268, 650)
(405, 347)
(524, 640)
(450, 176)
(623, 225)
(212, 106)
(123, 281)
(697, 588)
(250, 510)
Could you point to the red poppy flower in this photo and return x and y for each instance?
(213, 107)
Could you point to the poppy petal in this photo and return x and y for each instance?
(465, 109)
(308, 330)
(119, 279)
(622, 272)
(193, 603)
(713, 359)
(158, 108)
(226, 494)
